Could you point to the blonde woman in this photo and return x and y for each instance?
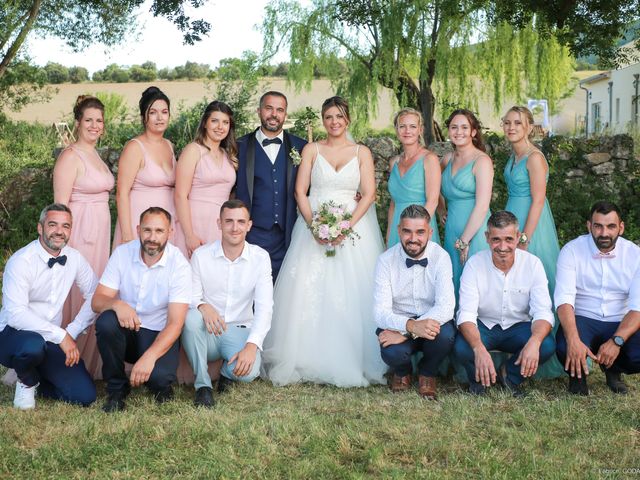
(526, 175)
(415, 174)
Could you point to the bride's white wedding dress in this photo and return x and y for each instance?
(323, 329)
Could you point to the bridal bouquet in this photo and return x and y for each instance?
(329, 223)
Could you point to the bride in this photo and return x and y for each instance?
(323, 329)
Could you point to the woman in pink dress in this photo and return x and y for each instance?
(205, 176)
(83, 181)
(146, 169)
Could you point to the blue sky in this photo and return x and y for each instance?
(232, 32)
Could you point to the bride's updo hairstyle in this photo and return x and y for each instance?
(338, 102)
(149, 96)
(477, 139)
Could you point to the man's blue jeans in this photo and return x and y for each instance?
(512, 340)
(594, 333)
(398, 356)
(37, 361)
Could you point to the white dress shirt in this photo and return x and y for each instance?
(33, 294)
(634, 292)
(273, 148)
(233, 287)
(149, 290)
(596, 285)
(498, 298)
(402, 292)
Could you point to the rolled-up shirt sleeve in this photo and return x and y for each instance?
(383, 299)
(445, 299)
(540, 307)
(263, 302)
(565, 291)
(469, 297)
(87, 282)
(15, 298)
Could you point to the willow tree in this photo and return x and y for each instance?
(428, 52)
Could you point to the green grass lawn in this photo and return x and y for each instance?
(309, 431)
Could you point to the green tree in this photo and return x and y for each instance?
(139, 73)
(422, 50)
(79, 24)
(78, 74)
(587, 27)
(167, 74)
(237, 84)
(23, 83)
(56, 73)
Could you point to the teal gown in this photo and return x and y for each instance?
(459, 191)
(543, 243)
(406, 190)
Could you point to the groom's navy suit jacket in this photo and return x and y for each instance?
(259, 183)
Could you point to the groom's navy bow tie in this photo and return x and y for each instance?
(269, 141)
(62, 259)
(411, 262)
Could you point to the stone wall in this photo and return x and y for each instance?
(581, 171)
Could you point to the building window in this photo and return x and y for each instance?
(617, 110)
(595, 114)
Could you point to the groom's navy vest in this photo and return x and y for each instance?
(269, 205)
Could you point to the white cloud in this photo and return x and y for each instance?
(233, 30)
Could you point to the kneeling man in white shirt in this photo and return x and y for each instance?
(36, 283)
(231, 307)
(507, 290)
(598, 302)
(142, 298)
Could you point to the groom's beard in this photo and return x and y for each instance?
(271, 128)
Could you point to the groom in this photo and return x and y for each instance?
(266, 178)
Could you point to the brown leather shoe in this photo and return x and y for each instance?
(427, 387)
(400, 384)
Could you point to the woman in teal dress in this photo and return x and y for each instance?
(467, 183)
(526, 175)
(415, 174)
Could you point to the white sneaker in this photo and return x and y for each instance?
(25, 397)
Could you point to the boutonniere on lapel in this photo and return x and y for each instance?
(295, 156)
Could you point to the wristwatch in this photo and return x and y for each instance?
(524, 239)
(618, 340)
(411, 334)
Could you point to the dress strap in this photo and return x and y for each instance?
(173, 153)
(357, 149)
(139, 142)
(317, 148)
(80, 155)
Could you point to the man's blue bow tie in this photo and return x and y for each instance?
(411, 262)
(62, 259)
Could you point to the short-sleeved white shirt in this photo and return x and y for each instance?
(149, 290)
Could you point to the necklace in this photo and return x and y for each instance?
(517, 159)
